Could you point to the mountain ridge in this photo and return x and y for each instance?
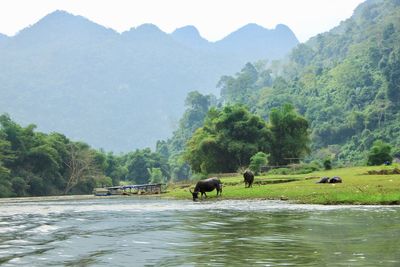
(118, 91)
(62, 15)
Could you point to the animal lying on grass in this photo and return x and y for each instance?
(327, 180)
(206, 185)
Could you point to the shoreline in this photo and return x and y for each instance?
(166, 196)
(359, 187)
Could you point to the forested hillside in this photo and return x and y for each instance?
(119, 91)
(346, 82)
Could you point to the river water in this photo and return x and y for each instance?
(127, 231)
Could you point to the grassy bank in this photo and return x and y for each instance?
(358, 187)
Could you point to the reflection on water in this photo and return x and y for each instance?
(155, 232)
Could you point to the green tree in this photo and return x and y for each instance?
(140, 161)
(290, 135)
(115, 168)
(257, 161)
(227, 140)
(379, 153)
(6, 154)
(156, 176)
(327, 164)
(245, 85)
(19, 186)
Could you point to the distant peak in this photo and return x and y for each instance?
(145, 31)
(187, 30)
(60, 12)
(282, 27)
(148, 27)
(253, 26)
(61, 17)
(189, 35)
(57, 14)
(247, 31)
(61, 22)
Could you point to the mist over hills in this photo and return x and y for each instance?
(119, 91)
(346, 83)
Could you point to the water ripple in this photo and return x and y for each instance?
(126, 231)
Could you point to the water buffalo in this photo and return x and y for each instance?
(248, 178)
(335, 179)
(323, 180)
(206, 185)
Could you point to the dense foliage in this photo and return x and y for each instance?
(227, 140)
(36, 164)
(345, 82)
(380, 153)
(290, 136)
(232, 135)
(257, 161)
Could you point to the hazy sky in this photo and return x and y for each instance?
(213, 18)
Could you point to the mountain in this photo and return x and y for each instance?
(3, 39)
(118, 91)
(346, 82)
(190, 36)
(258, 41)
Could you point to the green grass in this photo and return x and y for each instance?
(357, 188)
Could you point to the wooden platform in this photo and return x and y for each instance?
(140, 189)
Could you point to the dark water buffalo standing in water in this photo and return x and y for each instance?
(248, 178)
(206, 185)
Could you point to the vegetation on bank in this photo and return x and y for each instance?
(337, 96)
(344, 82)
(33, 163)
(358, 187)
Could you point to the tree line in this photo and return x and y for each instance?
(36, 164)
(219, 139)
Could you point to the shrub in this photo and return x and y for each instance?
(256, 161)
(327, 164)
(379, 153)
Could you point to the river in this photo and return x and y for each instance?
(129, 231)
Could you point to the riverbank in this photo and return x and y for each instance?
(8, 200)
(358, 187)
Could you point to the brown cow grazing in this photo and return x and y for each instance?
(248, 178)
(206, 185)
